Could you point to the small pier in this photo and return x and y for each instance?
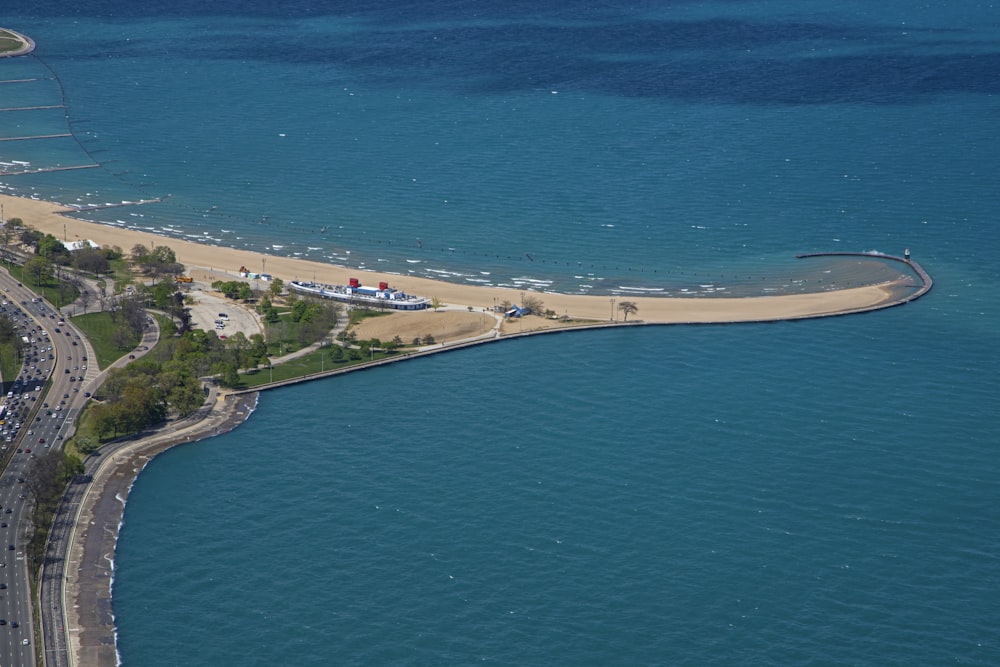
(38, 108)
(44, 170)
(37, 136)
(926, 282)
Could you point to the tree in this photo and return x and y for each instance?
(628, 308)
(91, 260)
(122, 337)
(103, 420)
(533, 304)
(53, 249)
(8, 230)
(392, 345)
(233, 289)
(187, 396)
(86, 444)
(133, 315)
(435, 303)
(139, 253)
(162, 254)
(40, 269)
(230, 374)
(277, 286)
(159, 261)
(30, 236)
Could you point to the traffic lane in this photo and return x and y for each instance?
(14, 601)
(15, 598)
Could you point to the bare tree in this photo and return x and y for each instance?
(533, 304)
(628, 308)
(85, 296)
(8, 230)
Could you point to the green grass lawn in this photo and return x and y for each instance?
(98, 327)
(55, 292)
(10, 363)
(8, 42)
(314, 362)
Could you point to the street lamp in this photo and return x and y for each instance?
(612, 309)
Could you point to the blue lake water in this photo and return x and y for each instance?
(812, 492)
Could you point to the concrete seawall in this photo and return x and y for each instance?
(926, 283)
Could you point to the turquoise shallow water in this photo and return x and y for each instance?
(813, 492)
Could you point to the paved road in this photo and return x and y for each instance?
(56, 376)
(39, 433)
(52, 591)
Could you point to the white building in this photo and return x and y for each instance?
(73, 246)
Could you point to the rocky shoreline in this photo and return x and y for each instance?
(91, 515)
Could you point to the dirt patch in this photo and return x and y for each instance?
(527, 323)
(443, 325)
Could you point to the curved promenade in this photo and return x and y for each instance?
(26, 47)
(495, 335)
(927, 283)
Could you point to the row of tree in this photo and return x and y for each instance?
(156, 262)
(46, 246)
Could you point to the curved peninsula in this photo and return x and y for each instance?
(14, 43)
(77, 622)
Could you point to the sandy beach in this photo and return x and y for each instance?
(464, 316)
(211, 262)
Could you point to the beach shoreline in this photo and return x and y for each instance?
(223, 263)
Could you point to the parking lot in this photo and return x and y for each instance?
(207, 309)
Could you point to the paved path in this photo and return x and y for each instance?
(76, 595)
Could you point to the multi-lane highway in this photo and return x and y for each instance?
(42, 404)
